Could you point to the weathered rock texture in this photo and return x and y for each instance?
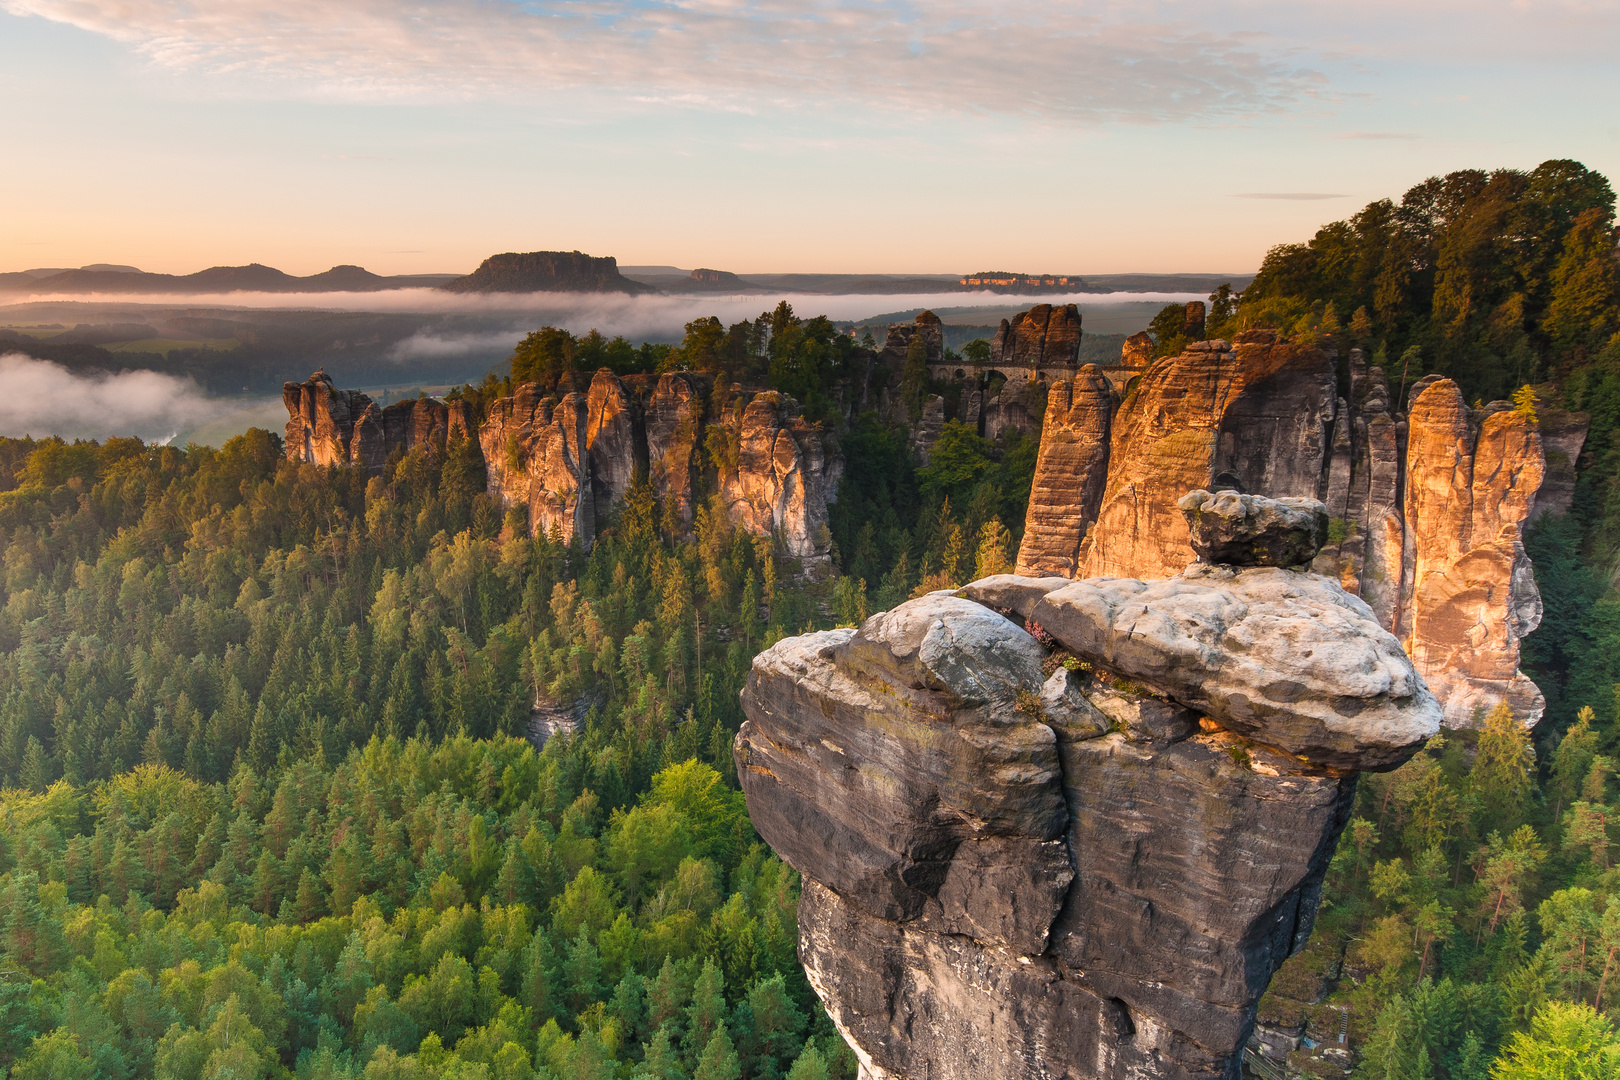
(783, 478)
(1471, 482)
(1237, 529)
(1016, 875)
(326, 426)
(1426, 511)
(1044, 336)
(569, 453)
(1070, 473)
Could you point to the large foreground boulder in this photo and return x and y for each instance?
(1070, 829)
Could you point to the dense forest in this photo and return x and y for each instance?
(266, 810)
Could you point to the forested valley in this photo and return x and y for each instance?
(267, 807)
(268, 810)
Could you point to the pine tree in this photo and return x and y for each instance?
(1500, 776)
(719, 1058)
(662, 1062)
(707, 1011)
(993, 555)
(1573, 760)
(809, 1065)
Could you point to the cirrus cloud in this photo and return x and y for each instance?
(1061, 61)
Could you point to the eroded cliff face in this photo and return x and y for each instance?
(1046, 335)
(1069, 475)
(1428, 510)
(537, 452)
(327, 426)
(783, 478)
(1471, 483)
(570, 453)
(1193, 417)
(1082, 861)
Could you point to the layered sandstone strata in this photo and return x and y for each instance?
(1469, 592)
(1020, 864)
(1070, 473)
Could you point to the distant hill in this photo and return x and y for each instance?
(546, 271)
(255, 277)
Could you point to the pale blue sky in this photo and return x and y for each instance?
(764, 136)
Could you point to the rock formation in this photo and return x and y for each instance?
(1426, 512)
(1044, 336)
(326, 426)
(1076, 864)
(1070, 473)
(570, 453)
(537, 452)
(1212, 409)
(1137, 352)
(1471, 482)
(546, 271)
(783, 479)
(1238, 529)
(675, 418)
(892, 357)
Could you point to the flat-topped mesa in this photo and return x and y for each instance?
(327, 426)
(1425, 513)
(1019, 863)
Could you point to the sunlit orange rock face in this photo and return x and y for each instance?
(1429, 497)
(569, 452)
(327, 426)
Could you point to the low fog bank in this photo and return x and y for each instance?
(639, 317)
(41, 398)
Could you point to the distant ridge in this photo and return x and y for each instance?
(546, 271)
(255, 277)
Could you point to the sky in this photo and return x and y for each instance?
(764, 135)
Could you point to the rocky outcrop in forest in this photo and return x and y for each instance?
(569, 455)
(571, 459)
(1427, 508)
(327, 426)
(1017, 846)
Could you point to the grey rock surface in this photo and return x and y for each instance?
(1251, 530)
(1027, 863)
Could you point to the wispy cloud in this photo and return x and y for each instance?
(1059, 60)
(1290, 196)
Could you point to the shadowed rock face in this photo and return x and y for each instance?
(1018, 869)
(1426, 512)
(1230, 527)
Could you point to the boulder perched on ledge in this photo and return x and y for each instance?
(1081, 859)
(1248, 530)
